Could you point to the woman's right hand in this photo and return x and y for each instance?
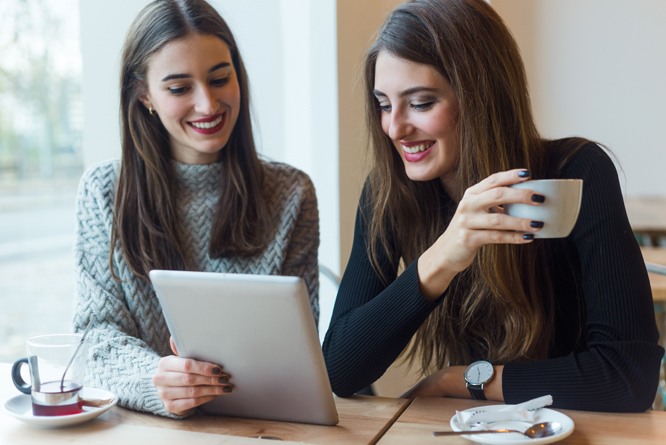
(479, 220)
(183, 384)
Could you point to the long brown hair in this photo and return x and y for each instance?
(144, 221)
(502, 305)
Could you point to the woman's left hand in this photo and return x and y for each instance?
(449, 382)
(431, 386)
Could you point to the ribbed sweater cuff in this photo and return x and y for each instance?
(410, 286)
(152, 402)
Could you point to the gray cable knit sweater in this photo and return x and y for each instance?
(129, 334)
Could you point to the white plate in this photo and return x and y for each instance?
(542, 415)
(20, 407)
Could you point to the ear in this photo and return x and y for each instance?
(145, 100)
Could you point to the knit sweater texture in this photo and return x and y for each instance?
(129, 335)
(605, 355)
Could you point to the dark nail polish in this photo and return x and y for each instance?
(528, 236)
(536, 224)
(524, 174)
(538, 198)
(227, 389)
(224, 379)
(217, 371)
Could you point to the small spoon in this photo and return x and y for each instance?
(536, 431)
(83, 338)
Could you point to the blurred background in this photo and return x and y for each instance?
(596, 69)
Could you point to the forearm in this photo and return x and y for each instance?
(363, 340)
(455, 386)
(449, 382)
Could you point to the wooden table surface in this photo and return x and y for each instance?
(656, 255)
(429, 414)
(363, 420)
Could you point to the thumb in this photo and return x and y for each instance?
(173, 345)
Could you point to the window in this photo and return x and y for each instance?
(41, 123)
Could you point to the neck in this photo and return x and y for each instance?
(187, 155)
(452, 186)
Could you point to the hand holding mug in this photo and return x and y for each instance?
(560, 210)
(183, 384)
(479, 220)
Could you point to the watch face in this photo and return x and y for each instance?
(478, 373)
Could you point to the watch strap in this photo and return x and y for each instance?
(476, 392)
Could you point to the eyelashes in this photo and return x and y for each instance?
(220, 82)
(418, 107)
(176, 91)
(424, 106)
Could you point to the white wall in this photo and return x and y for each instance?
(597, 68)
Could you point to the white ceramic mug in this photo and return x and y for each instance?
(560, 210)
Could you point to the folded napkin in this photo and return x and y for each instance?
(480, 418)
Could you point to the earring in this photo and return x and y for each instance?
(151, 111)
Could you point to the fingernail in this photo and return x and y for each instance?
(528, 236)
(524, 174)
(217, 371)
(536, 224)
(223, 379)
(228, 389)
(538, 198)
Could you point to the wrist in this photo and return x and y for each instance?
(445, 382)
(434, 276)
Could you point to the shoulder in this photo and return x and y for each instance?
(579, 158)
(287, 179)
(97, 189)
(101, 177)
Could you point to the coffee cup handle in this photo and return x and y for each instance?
(20, 384)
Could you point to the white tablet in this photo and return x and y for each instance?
(260, 329)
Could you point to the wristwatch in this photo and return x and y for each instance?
(476, 375)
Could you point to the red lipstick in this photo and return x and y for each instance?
(416, 157)
(212, 130)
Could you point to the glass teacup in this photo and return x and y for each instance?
(54, 392)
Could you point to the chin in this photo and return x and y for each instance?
(212, 148)
(421, 176)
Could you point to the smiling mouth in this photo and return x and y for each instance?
(209, 125)
(205, 125)
(417, 148)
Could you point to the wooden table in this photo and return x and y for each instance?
(363, 420)
(656, 255)
(429, 414)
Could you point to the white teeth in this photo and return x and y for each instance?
(416, 148)
(204, 125)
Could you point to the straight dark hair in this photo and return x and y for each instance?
(145, 214)
(502, 305)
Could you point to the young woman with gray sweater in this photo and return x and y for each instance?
(188, 194)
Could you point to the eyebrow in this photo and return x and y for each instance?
(187, 76)
(409, 91)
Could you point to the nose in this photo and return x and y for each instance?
(206, 103)
(399, 125)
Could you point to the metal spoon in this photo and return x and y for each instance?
(536, 431)
(83, 338)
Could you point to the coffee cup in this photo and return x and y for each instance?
(559, 211)
(55, 382)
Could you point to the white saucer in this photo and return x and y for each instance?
(20, 407)
(542, 415)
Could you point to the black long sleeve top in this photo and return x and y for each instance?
(605, 355)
